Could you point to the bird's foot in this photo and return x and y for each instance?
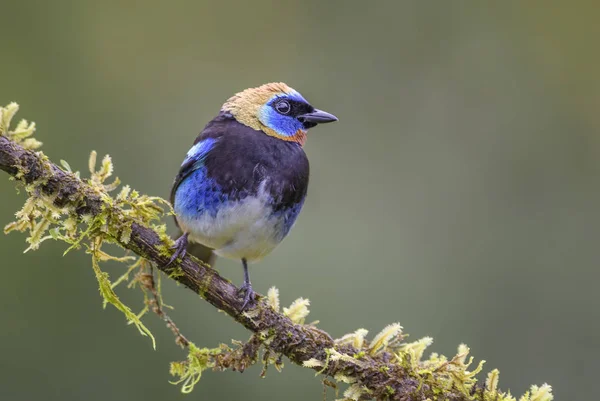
(180, 248)
(249, 294)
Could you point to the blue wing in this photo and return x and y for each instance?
(194, 160)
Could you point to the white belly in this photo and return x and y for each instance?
(240, 229)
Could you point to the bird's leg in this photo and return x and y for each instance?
(180, 248)
(246, 288)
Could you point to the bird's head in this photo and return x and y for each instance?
(277, 110)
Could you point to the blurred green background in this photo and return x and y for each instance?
(459, 194)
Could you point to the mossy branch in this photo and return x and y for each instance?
(82, 213)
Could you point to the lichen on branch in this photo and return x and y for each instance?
(63, 206)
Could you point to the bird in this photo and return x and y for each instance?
(244, 181)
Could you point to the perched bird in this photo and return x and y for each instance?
(244, 181)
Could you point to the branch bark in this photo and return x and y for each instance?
(299, 343)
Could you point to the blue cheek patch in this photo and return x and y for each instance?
(283, 125)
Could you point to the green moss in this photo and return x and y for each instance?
(43, 220)
(205, 286)
(360, 354)
(109, 296)
(22, 133)
(190, 371)
(176, 272)
(165, 249)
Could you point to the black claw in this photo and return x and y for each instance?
(180, 248)
(246, 288)
(249, 295)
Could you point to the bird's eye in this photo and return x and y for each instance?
(283, 107)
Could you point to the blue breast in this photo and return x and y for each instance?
(198, 194)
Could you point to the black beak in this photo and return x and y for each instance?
(317, 117)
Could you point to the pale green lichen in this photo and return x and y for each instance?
(438, 372)
(356, 339)
(22, 132)
(382, 340)
(416, 349)
(224, 357)
(190, 371)
(108, 294)
(273, 298)
(334, 355)
(298, 310)
(354, 392)
(491, 383)
(43, 220)
(541, 393)
(312, 363)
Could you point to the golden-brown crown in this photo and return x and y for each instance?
(246, 107)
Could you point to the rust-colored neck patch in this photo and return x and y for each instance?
(299, 137)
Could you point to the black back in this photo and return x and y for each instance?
(242, 158)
